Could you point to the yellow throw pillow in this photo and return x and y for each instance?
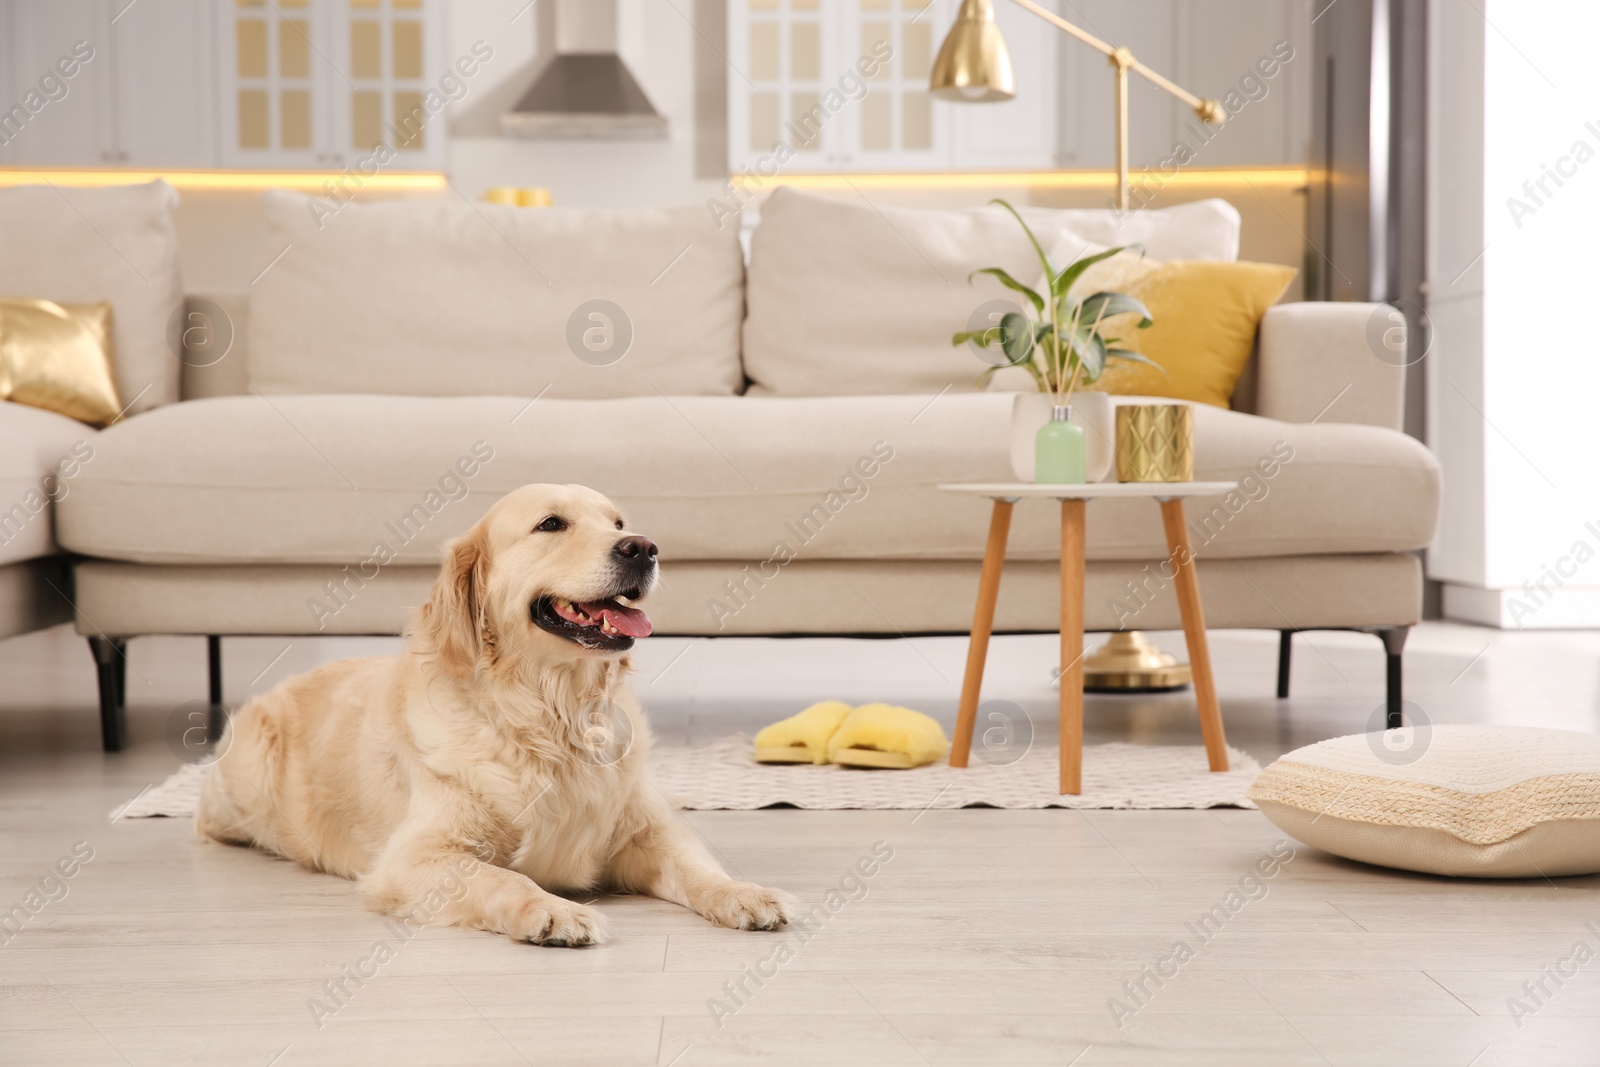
(58, 357)
(1206, 313)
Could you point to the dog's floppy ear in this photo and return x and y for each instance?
(454, 617)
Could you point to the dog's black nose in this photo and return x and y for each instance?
(635, 549)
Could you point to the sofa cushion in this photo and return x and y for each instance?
(1205, 314)
(448, 298)
(41, 456)
(846, 298)
(330, 479)
(117, 243)
(58, 357)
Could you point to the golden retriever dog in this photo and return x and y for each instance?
(500, 759)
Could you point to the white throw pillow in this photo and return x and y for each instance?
(447, 298)
(1204, 229)
(847, 297)
(1478, 801)
(116, 243)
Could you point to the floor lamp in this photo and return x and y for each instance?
(974, 66)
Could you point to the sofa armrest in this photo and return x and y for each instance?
(1319, 362)
(212, 320)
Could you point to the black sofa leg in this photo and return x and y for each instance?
(121, 644)
(217, 714)
(110, 660)
(1285, 649)
(1394, 643)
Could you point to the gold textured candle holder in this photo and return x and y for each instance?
(1155, 443)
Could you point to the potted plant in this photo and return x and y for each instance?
(1061, 346)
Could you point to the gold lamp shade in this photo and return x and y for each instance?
(973, 64)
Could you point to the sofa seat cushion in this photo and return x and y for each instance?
(42, 455)
(447, 298)
(341, 479)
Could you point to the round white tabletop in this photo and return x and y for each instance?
(1086, 490)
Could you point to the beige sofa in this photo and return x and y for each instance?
(40, 455)
(778, 427)
(78, 246)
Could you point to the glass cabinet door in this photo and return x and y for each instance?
(898, 125)
(320, 83)
(391, 95)
(796, 66)
(779, 54)
(273, 79)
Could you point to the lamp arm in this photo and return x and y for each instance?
(1208, 110)
(1083, 35)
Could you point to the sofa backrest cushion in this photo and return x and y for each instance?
(449, 298)
(116, 243)
(851, 298)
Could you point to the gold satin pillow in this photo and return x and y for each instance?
(1206, 313)
(58, 357)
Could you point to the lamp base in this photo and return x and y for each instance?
(1128, 662)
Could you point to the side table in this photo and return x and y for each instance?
(1073, 500)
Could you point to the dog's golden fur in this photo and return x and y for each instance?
(488, 765)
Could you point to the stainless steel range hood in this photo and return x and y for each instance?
(585, 90)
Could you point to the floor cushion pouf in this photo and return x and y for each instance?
(1478, 801)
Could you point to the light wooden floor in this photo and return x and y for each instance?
(989, 937)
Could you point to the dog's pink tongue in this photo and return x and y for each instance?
(629, 621)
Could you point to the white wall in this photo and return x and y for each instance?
(1515, 382)
(1209, 47)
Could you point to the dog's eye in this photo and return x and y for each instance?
(619, 524)
(553, 524)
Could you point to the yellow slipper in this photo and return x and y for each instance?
(802, 738)
(881, 735)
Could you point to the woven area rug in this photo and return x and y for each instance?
(724, 776)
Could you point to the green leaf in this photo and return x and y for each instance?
(1094, 357)
(1060, 283)
(1114, 304)
(1091, 352)
(990, 372)
(1016, 336)
(1015, 286)
(1044, 260)
(1131, 356)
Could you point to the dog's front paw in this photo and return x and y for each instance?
(747, 906)
(559, 923)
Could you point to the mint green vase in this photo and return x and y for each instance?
(1059, 451)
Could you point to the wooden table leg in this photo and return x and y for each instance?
(1071, 681)
(994, 558)
(1194, 632)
